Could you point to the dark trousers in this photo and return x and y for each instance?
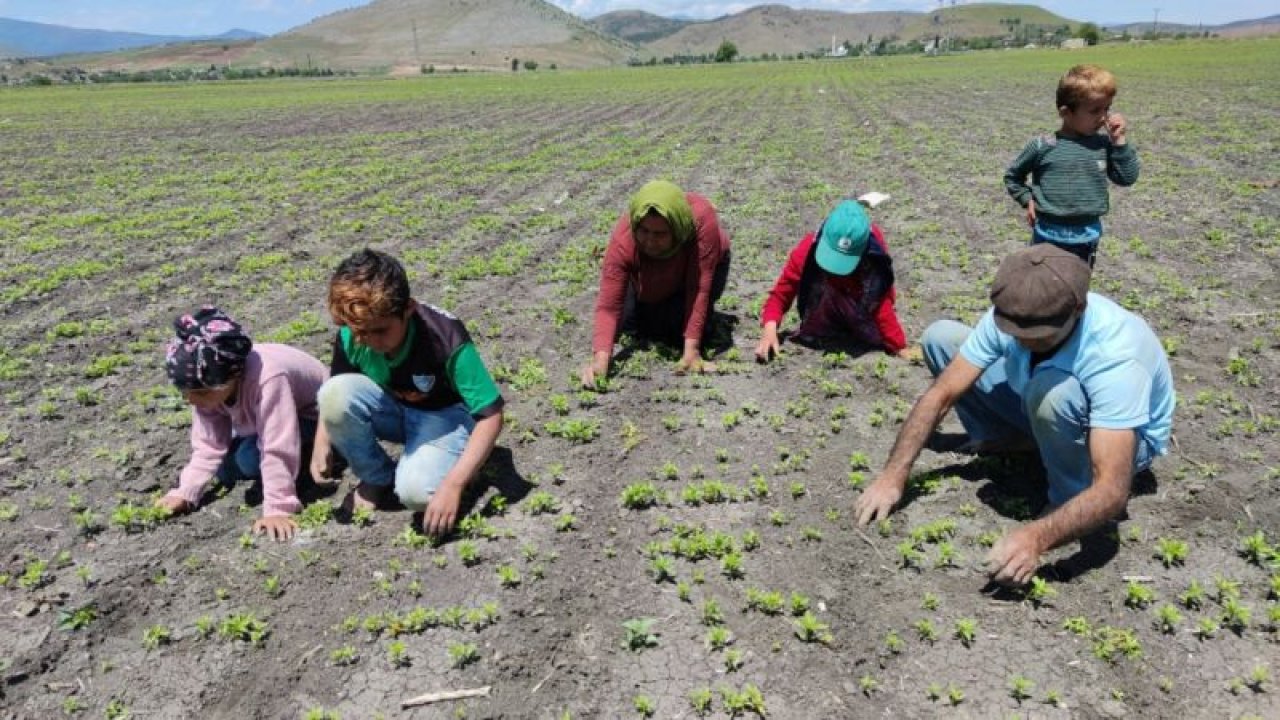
(664, 320)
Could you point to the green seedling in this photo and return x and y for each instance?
(363, 517)
(929, 602)
(1053, 697)
(1020, 688)
(462, 654)
(955, 695)
(766, 602)
(1110, 643)
(468, 553)
(711, 612)
(718, 638)
(966, 631)
(1235, 616)
(344, 656)
(700, 701)
(809, 629)
(1039, 592)
(155, 636)
(925, 630)
(1171, 552)
(663, 569)
(541, 502)
(638, 635)
(731, 566)
(732, 660)
(244, 627)
(893, 643)
(868, 685)
(1138, 596)
(1207, 628)
(799, 604)
(640, 495)
(1167, 619)
(508, 576)
(747, 700)
(1193, 598)
(565, 523)
(78, 618)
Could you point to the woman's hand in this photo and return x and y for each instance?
(595, 371)
(173, 505)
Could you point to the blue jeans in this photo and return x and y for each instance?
(1079, 240)
(358, 413)
(1054, 410)
(243, 460)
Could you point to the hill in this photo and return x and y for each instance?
(638, 26)
(1243, 28)
(780, 29)
(19, 38)
(405, 34)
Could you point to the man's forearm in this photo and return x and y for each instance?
(1112, 454)
(920, 423)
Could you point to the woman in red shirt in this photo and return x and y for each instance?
(666, 265)
(843, 278)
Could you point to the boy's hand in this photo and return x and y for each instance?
(279, 527)
(1116, 128)
(1031, 212)
(442, 511)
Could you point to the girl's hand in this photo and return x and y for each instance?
(173, 505)
(768, 346)
(279, 527)
(911, 353)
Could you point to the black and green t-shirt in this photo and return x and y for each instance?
(437, 366)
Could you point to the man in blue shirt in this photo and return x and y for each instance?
(1051, 363)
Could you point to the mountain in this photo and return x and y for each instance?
(19, 38)
(402, 35)
(1242, 28)
(782, 30)
(638, 26)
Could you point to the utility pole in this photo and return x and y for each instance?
(417, 54)
(1156, 25)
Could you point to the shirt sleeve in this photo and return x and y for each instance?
(614, 276)
(280, 446)
(210, 438)
(891, 333)
(1122, 164)
(339, 363)
(986, 344)
(1015, 176)
(787, 286)
(1119, 397)
(473, 382)
(710, 249)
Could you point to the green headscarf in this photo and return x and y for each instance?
(668, 200)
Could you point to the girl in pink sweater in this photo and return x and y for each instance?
(254, 415)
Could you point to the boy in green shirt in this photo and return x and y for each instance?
(406, 373)
(1068, 193)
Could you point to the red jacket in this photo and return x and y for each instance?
(795, 281)
(689, 271)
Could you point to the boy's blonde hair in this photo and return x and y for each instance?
(368, 285)
(1083, 83)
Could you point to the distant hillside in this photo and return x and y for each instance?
(408, 33)
(1243, 28)
(638, 26)
(19, 38)
(779, 29)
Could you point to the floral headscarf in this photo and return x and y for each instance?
(209, 351)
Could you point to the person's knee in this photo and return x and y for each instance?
(941, 341)
(1053, 397)
(336, 396)
(420, 475)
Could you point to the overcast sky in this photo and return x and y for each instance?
(208, 17)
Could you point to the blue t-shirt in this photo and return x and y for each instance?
(1114, 355)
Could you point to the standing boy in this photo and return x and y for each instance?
(406, 373)
(1068, 193)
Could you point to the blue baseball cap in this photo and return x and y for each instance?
(843, 239)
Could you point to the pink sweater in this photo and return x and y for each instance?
(279, 385)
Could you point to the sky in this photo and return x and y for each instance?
(210, 17)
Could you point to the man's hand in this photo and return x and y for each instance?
(279, 527)
(877, 501)
(1117, 126)
(1015, 557)
(173, 505)
(595, 371)
(1031, 212)
(442, 512)
(768, 346)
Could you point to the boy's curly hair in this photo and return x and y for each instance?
(1083, 83)
(368, 285)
